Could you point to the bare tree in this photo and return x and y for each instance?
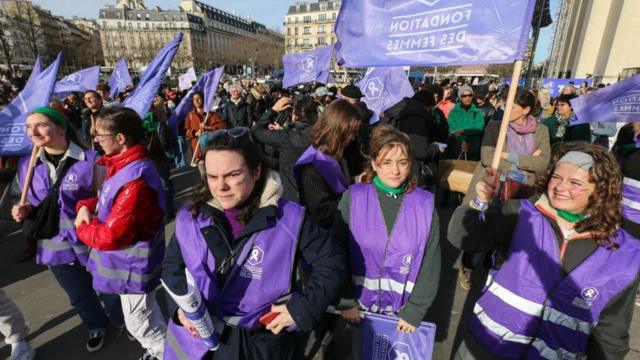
(8, 49)
(27, 23)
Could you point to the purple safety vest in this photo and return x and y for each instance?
(77, 184)
(631, 199)
(529, 310)
(328, 167)
(260, 277)
(384, 267)
(135, 269)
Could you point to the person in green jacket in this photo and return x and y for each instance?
(466, 124)
(559, 124)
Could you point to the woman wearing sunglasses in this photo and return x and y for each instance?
(226, 238)
(124, 227)
(564, 273)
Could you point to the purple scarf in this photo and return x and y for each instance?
(521, 139)
(236, 226)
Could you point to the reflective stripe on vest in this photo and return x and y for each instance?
(175, 346)
(115, 274)
(630, 203)
(631, 182)
(66, 224)
(384, 284)
(532, 308)
(61, 245)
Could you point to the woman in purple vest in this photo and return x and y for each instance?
(321, 172)
(391, 231)
(124, 227)
(241, 241)
(565, 274)
(63, 155)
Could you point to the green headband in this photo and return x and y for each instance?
(52, 114)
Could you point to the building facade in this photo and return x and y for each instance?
(594, 38)
(309, 25)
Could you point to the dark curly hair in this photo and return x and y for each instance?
(384, 138)
(603, 211)
(252, 154)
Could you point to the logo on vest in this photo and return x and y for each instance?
(406, 264)
(587, 297)
(400, 351)
(251, 269)
(70, 182)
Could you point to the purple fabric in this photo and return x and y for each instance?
(631, 199)
(120, 78)
(134, 269)
(533, 271)
(381, 340)
(307, 66)
(328, 167)
(79, 81)
(232, 218)
(211, 87)
(261, 275)
(521, 139)
(34, 72)
(619, 102)
(65, 247)
(383, 87)
(379, 256)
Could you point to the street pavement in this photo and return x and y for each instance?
(57, 333)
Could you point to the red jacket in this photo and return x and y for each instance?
(135, 214)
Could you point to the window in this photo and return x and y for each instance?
(307, 30)
(321, 29)
(306, 41)
(322, 17)
(333, 16)
(139, 26)
(104, 24)
(307, 19)
(295, 31)
(324, 6)
(288, 31)
(119, 25)
(322, 40)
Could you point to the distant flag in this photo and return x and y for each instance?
(383, 87)
(432, 32)
(207, 81)
(307, 66)
(37, 92)
(184, 80)
(142, 97)
(555, 86)
(211, 87)
(79, 81)
(619, 102)
(120, 78)
(35, 71)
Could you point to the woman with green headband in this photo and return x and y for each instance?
(564, 273)
(65, 172)
(390, 228)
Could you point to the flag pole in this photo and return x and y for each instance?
(195, 152)
(502, 136)
(29, 176)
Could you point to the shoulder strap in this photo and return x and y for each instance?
(68, 162)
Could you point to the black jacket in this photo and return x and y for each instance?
(315, 246)
(257, 107)
(290, 143)
(316, 195)
(237, 115)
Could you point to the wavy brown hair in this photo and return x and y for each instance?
(603, 211)
(333, 130)
(385, 138)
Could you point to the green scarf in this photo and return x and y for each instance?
(570, 217)
(395, 191)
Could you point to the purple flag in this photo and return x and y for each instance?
(381, 340)
(142, 97)
(34, 72)
(307, 66)
(211, 87)
(120, 78)
(619, 102)
(185, 105)
(13, 130)
(383, 87)
(80, 81)
(432, 32)
(555, 86)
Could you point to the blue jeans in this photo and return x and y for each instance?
(75, 280)
(179, 159)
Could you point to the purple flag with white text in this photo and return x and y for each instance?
(382, 341)
(37, 92)
(555, 86)
(142, 97)
(383, 87)
(79, 81)
(619, 102)
(307, 66)
(432, 32)
(120, 78)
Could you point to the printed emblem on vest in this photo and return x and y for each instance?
(587, 297)
(251, 269)
(406, 264)
(70, 182)
(400, 351)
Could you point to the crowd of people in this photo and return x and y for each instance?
(304, 204)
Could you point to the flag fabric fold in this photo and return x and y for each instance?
(79, 81)
(619, 102)
(211, 87)
(142, 97)
(13, 131)
(120, 78)
(307, 66)
(383, 87)
(432, 32)
(34, 72)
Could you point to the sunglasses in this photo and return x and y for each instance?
(235, 134)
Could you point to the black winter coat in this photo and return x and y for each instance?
(237, 115)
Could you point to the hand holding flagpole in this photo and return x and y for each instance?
(502, 136)
(29, 176)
